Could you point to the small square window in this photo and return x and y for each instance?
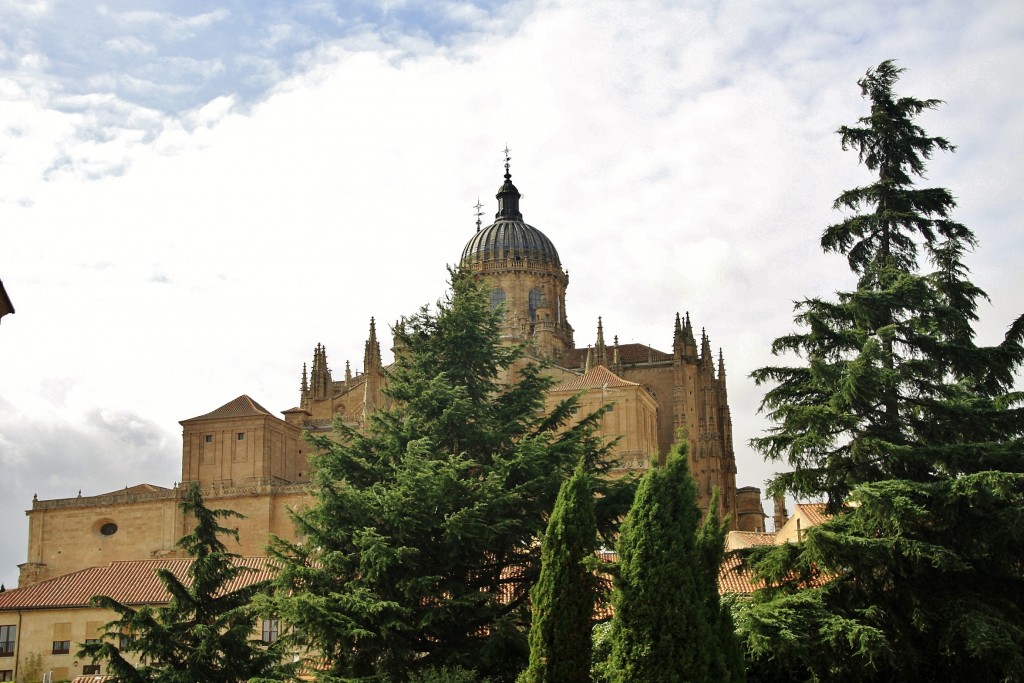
(7, 675)
(241, 436)
(61, 647)
(208, 438)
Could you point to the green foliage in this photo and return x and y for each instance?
(446, 674)
(669, 625)
(600, 662)
(563, 599)
(31, 668)
(420, 548)
(205, 632)
(912, 434)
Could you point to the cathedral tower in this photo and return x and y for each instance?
(525, 275)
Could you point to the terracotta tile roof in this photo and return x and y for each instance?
(598, 377)
(814, 513)
(131, 582)
(243, 406)
(733, 579)
(749, 539)
(628, 354)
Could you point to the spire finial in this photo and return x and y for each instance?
(508, 175)
(479, 213)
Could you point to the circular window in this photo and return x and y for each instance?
(108, 529)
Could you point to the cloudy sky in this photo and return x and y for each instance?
(192, 195)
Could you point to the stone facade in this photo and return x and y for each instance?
(249, 460)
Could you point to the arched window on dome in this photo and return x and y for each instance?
(535, 297)
(497, 297)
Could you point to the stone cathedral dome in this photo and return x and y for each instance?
(509, 237)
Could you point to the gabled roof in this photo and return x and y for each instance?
(131, 582)
(138, 488)
(599, 377)
(814, 513)
(243, 406)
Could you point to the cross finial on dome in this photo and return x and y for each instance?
(508, 175)
(479, 213)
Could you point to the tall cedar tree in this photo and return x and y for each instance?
(420, 549)
(668, 625)
(911, 433)
(207, 630)
(563, 599)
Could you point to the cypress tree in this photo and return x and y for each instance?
(909, 431)
(667, 625)
(563, 599)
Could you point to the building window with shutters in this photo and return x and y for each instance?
(7, 675)
(91, 670)
(61, 647)
(271, 630)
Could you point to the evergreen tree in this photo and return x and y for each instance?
(912, 434)
(563, 599)
(207, 630)
(420, 549)
(668, 622)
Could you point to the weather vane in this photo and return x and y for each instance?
(479, 213)
(507, 159)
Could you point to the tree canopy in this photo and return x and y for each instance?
(908, 429)
(420, 549)
(668, 625)
(207, 630)
(563, 598)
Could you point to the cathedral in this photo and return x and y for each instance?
(250, 460)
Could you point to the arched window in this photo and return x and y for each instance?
(497, 297)
(535, 297)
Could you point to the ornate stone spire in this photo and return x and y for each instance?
(677, 339)
(304, 387)
(599, 347)
(589, 362)
(689, 345)
(705, 349)
(508, 196)
(371, 357)
(616, 360)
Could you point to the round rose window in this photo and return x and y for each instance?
(108, 529)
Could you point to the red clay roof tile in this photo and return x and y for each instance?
(131, 582)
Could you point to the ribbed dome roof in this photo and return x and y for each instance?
(509, 236)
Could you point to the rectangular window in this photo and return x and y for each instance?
(90, 641)
(91, 670)
(271, 629)
(208, 438)
(125, 642)
(7, 637)
(61, 647)
(241, 436)
(7, 675)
